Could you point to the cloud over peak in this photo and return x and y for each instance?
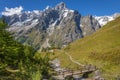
(12, 11)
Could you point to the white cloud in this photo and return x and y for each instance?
(11, 11)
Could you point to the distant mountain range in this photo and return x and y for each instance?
(53, 27)
(105, 19)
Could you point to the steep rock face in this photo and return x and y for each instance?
(67, 30)
(56, 26)
(89, 25)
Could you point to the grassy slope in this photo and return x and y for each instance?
(101, 49)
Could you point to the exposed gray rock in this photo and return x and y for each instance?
(89, 25)
(56, 26)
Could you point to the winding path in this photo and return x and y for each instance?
(70, 57)
(62, 75)
(74, 61)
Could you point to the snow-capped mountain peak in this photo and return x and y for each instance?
(103, 20)
(56, 26)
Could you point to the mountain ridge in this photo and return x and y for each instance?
(103, 20)
(52, 27)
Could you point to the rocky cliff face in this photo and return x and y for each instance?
(57, 26)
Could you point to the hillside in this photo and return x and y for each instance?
(101, 49)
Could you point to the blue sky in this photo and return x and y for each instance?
(85, 7)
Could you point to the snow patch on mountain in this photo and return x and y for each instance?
(18, 24)
(71, 10)
(48, 7)
(65, 13)
(36, 12)
(81, 26)
(34, 23)
(28, 20)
